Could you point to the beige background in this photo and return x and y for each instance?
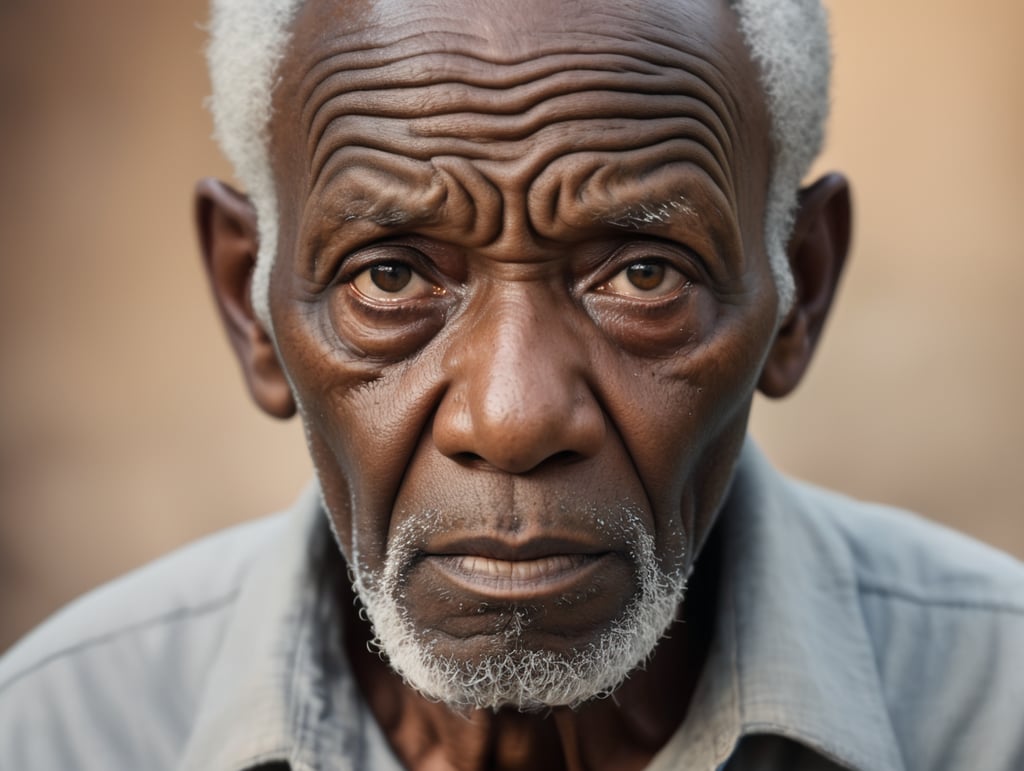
(124, 427)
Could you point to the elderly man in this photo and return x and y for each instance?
(519, 268)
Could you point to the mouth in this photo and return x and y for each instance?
(512, 580)
(509, 572)
(556, 589)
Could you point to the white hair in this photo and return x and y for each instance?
(247, 40)
(788, 40)
(513, 674)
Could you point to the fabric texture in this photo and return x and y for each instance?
(847, 636)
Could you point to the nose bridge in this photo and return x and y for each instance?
(522, 374)
(519, 394)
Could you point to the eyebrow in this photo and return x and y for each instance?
(649, 213)
(356, 212)
(390, 218)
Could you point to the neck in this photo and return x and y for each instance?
(623, 731)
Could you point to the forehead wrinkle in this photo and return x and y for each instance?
(412, 48)
(451, 199)
(504, 137)
(629, 192)
(574, 116)
(528, 157)
(342, 67)
(408, 61)
(647, 33)
(489, 115)
(439, 85)
(416, 97)
(398, 64)
(520, 112)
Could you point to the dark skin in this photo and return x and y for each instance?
(521, 288)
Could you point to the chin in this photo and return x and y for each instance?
(517, 656)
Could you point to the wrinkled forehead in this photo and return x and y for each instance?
(524, 98)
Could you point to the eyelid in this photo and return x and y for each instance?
(365, 257)
(362, 261)
(669, 284)
(383, 253)
(418, 288)
(675, 257)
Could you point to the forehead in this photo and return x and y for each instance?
(388, 110)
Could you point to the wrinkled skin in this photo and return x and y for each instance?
(521, 296)
(523, 382)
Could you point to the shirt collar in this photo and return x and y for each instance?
(791, 654)
(280, 688)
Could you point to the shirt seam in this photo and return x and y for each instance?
(174, 615)
(939, 602)
(298, 709)
(873, 652)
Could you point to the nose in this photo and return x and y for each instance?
(518, 396)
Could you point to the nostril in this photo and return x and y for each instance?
(563, 457)
(469, 459)
(474, 461)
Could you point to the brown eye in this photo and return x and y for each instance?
(646, 279)
(393, 282)
(646, 276)
(390, 277)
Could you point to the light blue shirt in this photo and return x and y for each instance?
(847, 635)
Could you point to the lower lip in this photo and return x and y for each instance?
(517, 579)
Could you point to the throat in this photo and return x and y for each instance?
(427, 736)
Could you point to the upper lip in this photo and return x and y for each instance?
(512, 551)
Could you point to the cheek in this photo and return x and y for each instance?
(362, 422)
(334, 486)
(685, 426)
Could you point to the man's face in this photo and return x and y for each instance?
(522, 298)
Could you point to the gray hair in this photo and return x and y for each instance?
(788, 40)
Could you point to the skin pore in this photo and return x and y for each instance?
(522, 304)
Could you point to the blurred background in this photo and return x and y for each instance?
(125, 429)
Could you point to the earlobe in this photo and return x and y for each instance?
(229, 241)
(817, 253)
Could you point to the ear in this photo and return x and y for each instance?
(817, 252)
(229, 240)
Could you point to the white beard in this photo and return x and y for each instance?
(519, 677)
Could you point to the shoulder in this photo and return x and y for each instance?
(945, 617)
(147, 638)
(900, 555)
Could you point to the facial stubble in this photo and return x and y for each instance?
(517, 675)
